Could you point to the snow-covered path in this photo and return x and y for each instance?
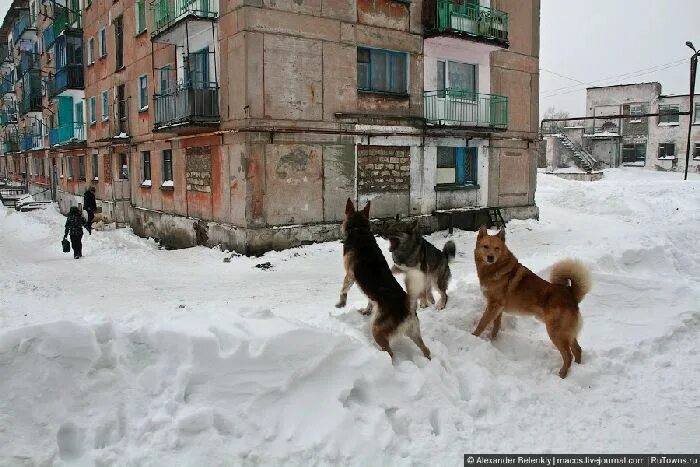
(140, 356)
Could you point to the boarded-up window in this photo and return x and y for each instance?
(383, 169)
(198, 169)
(108, 168)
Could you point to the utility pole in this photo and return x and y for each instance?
(693, 70)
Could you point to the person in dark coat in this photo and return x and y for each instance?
(90, 205)
(74, 228)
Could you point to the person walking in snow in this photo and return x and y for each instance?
(90, 205)
(74, 228)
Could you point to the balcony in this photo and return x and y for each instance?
(461, 18)
(31, 93)
(65, 20)
(23, 24)
(7, 85)
(5, 54)
(187, 106)
(8, 117)
(458, 107)
(31, 141)
(64, 134)
(66, 77)
(28, 61)
(166, 15)
(10, 142)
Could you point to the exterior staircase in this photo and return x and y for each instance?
(583, 159)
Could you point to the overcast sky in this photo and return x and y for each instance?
(585, 42)
(589, 41)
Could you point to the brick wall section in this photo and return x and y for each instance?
(198, 169)
(383, 169)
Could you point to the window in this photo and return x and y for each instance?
(456, 166)
(119, 41)
(146, 168)
(140, 16)
(123, 167)
(103, 43)
(697, 114)
(696, 154)
(105, 106)
(69, 163)
(457, 77)
(667, 151)
(381, 71)
(81, 167)
(634, 153)
(668, 119)
(93, 111)
(91, 51)
(95, 168)
(79, 117)
(164, 73)
(167, 168)
(635, 111)
(36, 167)
(143, 92)
(197, 66)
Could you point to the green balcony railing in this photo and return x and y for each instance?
(11, 142)
(458, 107)
(8, 116)
(66, 18)
(166, 13)
(463, 17)
(70, 133)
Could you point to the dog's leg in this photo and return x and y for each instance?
(413, 332)
(347, 283)
(429, 290)
(381, 337)
(368, 310)
(496, 326)
(576, 350)
(564, 346)
(491, 312)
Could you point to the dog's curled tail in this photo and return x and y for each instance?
(575, 272)
(449, 250)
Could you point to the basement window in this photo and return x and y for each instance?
(667, 151)
(456, 167)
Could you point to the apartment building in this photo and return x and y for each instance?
(658, 142)
(247, 123)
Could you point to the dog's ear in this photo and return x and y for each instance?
(349, 207)
(502, 235)
(365, 210)
(482, 232)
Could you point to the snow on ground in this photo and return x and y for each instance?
(140, 356)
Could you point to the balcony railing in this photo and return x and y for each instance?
(22, 24)
(66, 19)
(11, 142)
(28, 61)
(6, 85)
(5, 54)
(457, 107)
(8, 117)
(187, 105)
(32, 141)
(71, 133)
(66, 77)
(49, 36)
(461, 17)
(31, 93)
(166, 13)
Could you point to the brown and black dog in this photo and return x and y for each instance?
(510, 287)
(394, 310)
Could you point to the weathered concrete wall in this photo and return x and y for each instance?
(672, 133)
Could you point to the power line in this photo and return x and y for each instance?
(562, 76)
(625, 76)
(652, 69)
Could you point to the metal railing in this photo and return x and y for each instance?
(166, 13)
(71, 133)
(32, 141)
(28, 61)
(11, 142)
(459, 107)
(8, 117)
(22, 24)
(65, 18)
(188, 104)
(66, 77)
(31, 93)
(6, 85)
(467, 18)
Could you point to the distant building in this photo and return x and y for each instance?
(651, 142)
(248, 123)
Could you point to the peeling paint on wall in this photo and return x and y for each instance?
(294, 161)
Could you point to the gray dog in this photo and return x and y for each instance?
(411, 251)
